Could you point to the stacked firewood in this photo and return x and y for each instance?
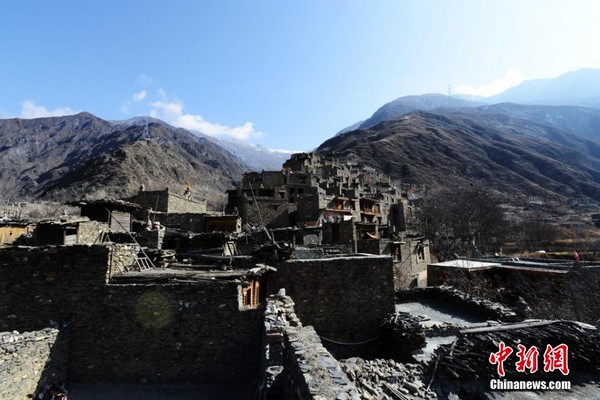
(469, 356)
(402, 333)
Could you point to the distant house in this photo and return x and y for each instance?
(223, 223)
(68, 231)
(117, 214)
(10, 230)
(168, 201)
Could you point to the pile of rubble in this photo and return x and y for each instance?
(386, 379)
(279, 315)
(283, 306)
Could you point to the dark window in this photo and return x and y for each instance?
(335, 233)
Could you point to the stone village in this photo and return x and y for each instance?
(309, 284)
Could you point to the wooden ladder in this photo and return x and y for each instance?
(144, 263)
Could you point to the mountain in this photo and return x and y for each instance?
(350, 128)
(488, 150)
(581, 121)
(576, 88)
(403, 105)
(64, 158)
(254, 156)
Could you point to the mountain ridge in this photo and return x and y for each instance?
(452, 148)
(62, 158)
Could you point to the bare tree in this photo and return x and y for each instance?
(465, 221)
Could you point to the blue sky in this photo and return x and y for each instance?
(283, 74)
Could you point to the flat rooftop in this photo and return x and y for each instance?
(467, 264)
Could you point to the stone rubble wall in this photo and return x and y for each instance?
(179, 204)
(50, 283)
(192, 222)
(28, 360)
(89, 232)
(450, 295)
(123, 258)
(344, 298)
(373, 246)
(189, 332)
(299, 367)
(168, 201)
(312, 372)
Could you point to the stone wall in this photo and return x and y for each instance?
(411, 258)
(50, 283)
(344, 298)
(152, 238)
(193, 332)
(312, 237)
(311, 371)
(89, 232)
(185, 221)
(157, 200)
(168, 201)
(297, 366)
(373, 246)
(461, 300)
(274, 212)
(188, 332)
(179, 204)
(342, 232)
(30, 359)
(123, 258)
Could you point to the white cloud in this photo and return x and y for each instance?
(139, 96)
(282, 151)
(511, 78)
(31, 110)
(172, 112)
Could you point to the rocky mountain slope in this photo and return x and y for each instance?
(70, 157)
(491, 150)
(254, 156)
(406, 104)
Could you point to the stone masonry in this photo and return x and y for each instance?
(187, 332)
(344, 298)
(30, 359)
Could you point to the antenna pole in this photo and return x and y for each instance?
(146, 134)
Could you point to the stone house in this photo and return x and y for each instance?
(117, 214)
(168, 201)
(68, 231)
(10, 230)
